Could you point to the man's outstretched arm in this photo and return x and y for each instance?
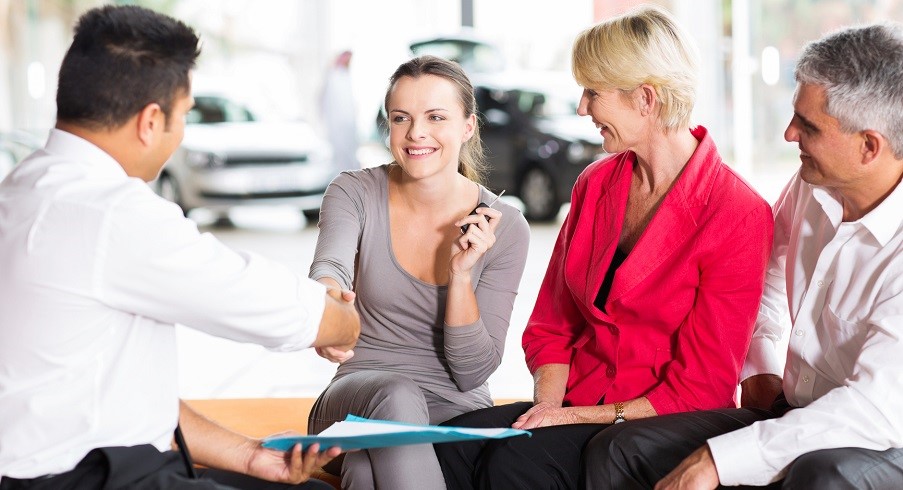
(215, 446)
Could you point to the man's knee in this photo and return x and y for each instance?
(813, 469)
(614, 443)
(844, 468)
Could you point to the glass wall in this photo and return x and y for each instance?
(275, 52)
(778, 31)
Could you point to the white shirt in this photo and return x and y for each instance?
(844, 366)
(95, 270)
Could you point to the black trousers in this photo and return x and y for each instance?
(548, 459)
(143, 468)
(638, 454)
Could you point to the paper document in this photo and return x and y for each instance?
(360, 433)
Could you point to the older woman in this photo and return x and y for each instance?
(649, 300)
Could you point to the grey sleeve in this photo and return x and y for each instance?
(475, 351)
(341, 224)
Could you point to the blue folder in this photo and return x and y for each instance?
(395, 434)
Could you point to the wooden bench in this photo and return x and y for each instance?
(260, 417)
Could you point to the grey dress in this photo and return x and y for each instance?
(408, 365)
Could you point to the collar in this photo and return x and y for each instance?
(696, 181)
(60, 142)
(883, 222)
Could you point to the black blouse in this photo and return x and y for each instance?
(602, 295)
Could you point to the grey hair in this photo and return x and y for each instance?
(861, 70)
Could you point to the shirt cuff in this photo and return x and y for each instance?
(738, 459)
(312, 305)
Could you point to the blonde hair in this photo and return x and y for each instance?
(642, 46)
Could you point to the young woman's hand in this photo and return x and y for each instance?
(478, 239)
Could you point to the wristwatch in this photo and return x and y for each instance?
(619, 413)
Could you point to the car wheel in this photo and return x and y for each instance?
(537, 192)
(168, 189)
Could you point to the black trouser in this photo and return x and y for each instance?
(143, 468)
(548, 459)
(638, 454)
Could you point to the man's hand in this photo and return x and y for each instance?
(289, 466)
(760, 391)
(340, 325)
(335, 354)
(346, 295)
(697, 472)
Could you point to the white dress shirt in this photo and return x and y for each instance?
(95, 270)
(844, 366)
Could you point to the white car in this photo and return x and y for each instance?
(229, 158)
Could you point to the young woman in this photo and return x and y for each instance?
(434, 300)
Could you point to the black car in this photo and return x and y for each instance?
(535, 142)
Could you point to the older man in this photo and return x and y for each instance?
(837, 269)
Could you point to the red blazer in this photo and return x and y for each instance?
(682, 306)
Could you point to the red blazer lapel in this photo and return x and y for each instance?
(607, 223)
(676, 219)
(669, 229)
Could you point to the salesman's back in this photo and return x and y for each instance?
(96, 270)
(65, 342)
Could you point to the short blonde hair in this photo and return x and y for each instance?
(643, 46)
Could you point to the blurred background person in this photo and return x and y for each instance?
(435, 299)
(648, 303)
(338, 112)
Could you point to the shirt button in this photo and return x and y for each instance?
(799, 333)
(821, 283)
(805, 379)
(610, 372)
(612, 329)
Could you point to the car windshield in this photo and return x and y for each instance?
(549, 104)
(471, 55)
(211, 110)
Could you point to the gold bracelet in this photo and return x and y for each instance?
(619, 413)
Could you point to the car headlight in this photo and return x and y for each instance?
(548, 149)
(579, 153)
(204, 159)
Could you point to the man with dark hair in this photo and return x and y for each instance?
(118, 61)
(837, 269)
(97, 270)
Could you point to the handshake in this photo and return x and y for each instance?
(339, 349)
